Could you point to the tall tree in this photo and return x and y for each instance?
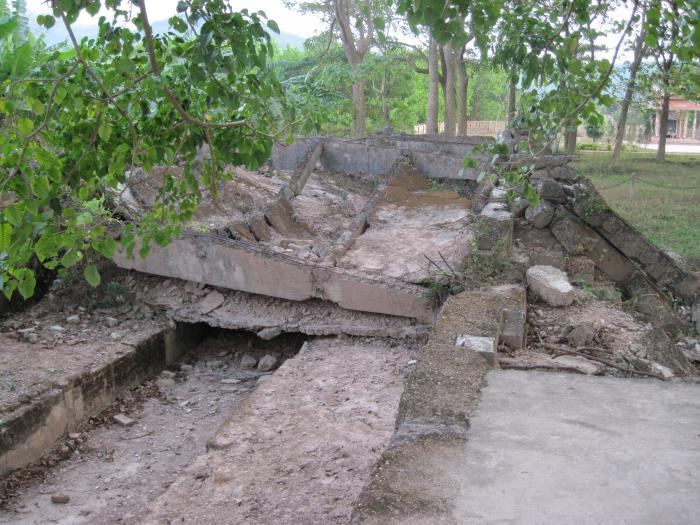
(450, 96)
(433, 88)
(462, 91)
(665, 16)
(629, 91)
(357, 15)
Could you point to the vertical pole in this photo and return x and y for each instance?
(633, 186)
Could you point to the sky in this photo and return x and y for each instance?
(288, 20)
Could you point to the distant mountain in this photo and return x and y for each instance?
(58, 34)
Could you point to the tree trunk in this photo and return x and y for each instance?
(431, 123)
(358, 101)
(510, 114)
(663, 128)
(385, 99)
(629, 91)
(462, 90)
(450, 98)
(570, 138)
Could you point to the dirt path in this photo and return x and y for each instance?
(119, 471)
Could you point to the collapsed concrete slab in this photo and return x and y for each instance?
(234, 310)
(301, 447)
(225, 263)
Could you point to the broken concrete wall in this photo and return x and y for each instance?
(435, 159)
(586, 227)
(414, 480)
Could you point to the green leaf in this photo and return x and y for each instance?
(71, 257)
(273, 26)
(46, 21)
(92, 276)
(9, 288)
(8, 24)
(40, 187)
(27, 283)
(469, 163)
(83, 218)
(104, 131)
(5, 237)
(37, 107)
(25, 125)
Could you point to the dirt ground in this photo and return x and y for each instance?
(117, 472)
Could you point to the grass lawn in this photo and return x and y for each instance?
(669, 215)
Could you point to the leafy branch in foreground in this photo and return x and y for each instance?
(76, 125)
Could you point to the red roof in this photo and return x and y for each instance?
(679, 103)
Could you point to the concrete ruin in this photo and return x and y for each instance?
(342, 242)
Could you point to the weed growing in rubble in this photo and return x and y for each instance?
(604, 294)
(439, 287)
(436, 185)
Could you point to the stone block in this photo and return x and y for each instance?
(551, 285)
(238, 230)
(556, 259)
(514, 299)
(611, 262)
(497, 226)
(486, 347)
(540, 215)
(551, 190)
(572, 233)
(498, 194)
(259, 227)
(564, 173)
(581, 269)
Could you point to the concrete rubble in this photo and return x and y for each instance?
(551, 285)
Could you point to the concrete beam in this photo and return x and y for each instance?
(222, 262)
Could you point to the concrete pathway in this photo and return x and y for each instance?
(692, 149)
(559, 448)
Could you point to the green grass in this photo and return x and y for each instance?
(668, 216)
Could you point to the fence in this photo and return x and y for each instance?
(474, 127)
